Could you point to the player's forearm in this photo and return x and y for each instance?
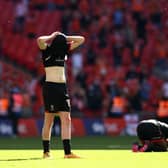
(45, 38)
(78, 39)
(49, 37)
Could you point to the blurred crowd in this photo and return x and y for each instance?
(122, 67)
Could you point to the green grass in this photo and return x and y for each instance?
(89, 142)
(96, 152)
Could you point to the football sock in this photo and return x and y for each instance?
(46, 146)
(67, 146)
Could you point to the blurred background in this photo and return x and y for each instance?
(118, 77)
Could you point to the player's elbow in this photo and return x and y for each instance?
(82, 40)
(77, 42)
(38, 40)
(41, 43)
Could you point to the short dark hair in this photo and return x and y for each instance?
(59, 46)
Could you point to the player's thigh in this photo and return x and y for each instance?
(48, 118)
(64, 116)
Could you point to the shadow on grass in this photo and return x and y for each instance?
(18, 159)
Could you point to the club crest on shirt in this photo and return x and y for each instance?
(52, 107)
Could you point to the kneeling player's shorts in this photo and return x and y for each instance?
(55, 97)
(149, 131)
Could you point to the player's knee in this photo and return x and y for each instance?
(47, 126)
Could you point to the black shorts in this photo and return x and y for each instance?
(149, 131)
(55, 97)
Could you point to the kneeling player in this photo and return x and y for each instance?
(153, 135)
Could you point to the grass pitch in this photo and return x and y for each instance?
(96, 151)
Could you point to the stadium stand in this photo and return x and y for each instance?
(125, 53)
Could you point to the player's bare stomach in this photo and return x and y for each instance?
(55, 74)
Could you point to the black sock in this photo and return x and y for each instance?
(67, 146)
(46, 146)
